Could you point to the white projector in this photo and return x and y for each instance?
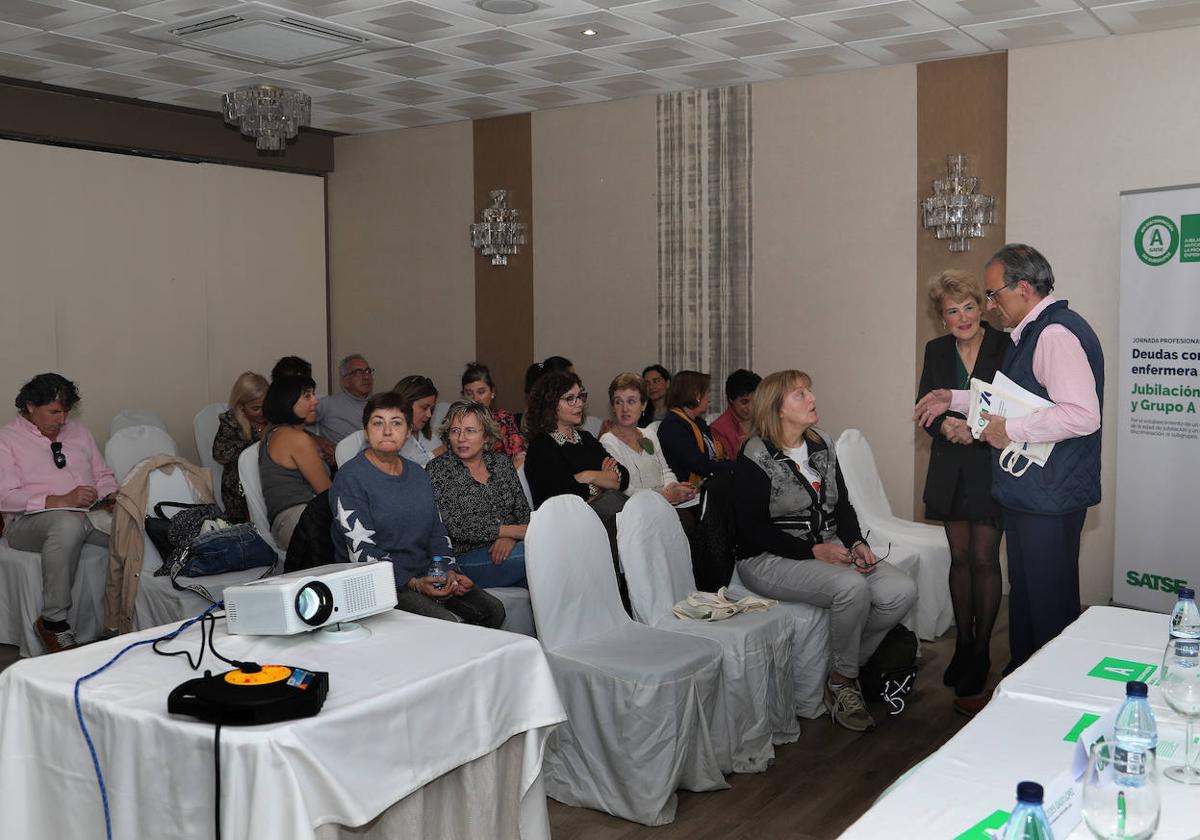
(306, 600)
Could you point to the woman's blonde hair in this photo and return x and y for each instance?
(627, 381)
(954, 284)
(466, 408)
(768, 402)
(248, 387)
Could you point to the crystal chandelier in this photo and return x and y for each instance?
(956, 210)
(271, 115)
(501, 230)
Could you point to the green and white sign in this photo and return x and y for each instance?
(1122, 670)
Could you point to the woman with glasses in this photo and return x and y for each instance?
(799, 538)
(477, 386)
(687, 442)
(958, 486)
(239, 427)
(289, 460)
(480, 498)
(420, 393)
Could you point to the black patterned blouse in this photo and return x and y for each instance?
(473, 512)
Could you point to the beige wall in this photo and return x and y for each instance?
(834, 251)
(147, 281)
(1086, 121)
(401, 270)
(594, 238)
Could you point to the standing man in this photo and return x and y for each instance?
(1056, 355)
(338, 415)
(49, 462)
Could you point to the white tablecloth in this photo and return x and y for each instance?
(417, 699)
(1020, 735)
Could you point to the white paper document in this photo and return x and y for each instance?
(1005, 398)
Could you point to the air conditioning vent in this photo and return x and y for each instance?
(325, 31)
(184, 31)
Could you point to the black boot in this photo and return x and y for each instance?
(975, 677)
(958, 664)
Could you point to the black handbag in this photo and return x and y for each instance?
(890, 674)
(158, 529)
(192, 552)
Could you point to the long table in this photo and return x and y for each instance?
(415, 703)
(1029, 729)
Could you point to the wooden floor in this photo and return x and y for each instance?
(817, 787)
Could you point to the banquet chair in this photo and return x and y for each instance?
(756, 647)
(131, 444)
(592, 425)
(21, 598)
(525, 484)
(204, 427)
(349, 446)
(136, 417)
(933, 612)
(641, 701)
(252, 487)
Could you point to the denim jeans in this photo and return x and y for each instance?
(478, 566)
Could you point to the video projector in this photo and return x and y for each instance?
(309, 599)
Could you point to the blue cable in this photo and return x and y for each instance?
(79, 709)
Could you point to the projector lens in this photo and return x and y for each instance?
(314, 603)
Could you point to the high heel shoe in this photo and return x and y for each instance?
(958, 666)
(975, 677)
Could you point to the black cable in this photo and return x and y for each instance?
(217, 780)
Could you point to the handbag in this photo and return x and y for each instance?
(201, 544)
(158, 529)
(890, 674)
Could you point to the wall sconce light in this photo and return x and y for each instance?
(501, 231)
(956, 210)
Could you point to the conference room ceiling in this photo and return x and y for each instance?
(419, 63)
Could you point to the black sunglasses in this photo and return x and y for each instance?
(60, 460)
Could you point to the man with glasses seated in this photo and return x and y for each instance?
(51, 473)
(339, 415)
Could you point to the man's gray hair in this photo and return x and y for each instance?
(344, 364)
(1024, 262)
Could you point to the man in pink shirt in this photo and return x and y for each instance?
(48, 463)
(732, 427)
(1056, 355)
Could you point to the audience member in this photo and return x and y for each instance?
(47, 462)
(289, 461)
(480, 498)
(477, 386)
(534, 372)
(687, 442)
(658, 380)
(239, 427)
(958, 487)
(638, 449)
(799, 537)
(339, 415)
(420, 393)
(733, 427)
(291, 366)
(383, 509)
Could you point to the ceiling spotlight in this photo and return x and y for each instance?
(591, 33)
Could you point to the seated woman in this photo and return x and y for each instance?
(687, 442)
(420, 393)
(480, 498)
(289, 460)
(240, 426)
(658, 380)
(637, 449)
(383, 509)
(535, 372)
(799, 538)
(477, 386)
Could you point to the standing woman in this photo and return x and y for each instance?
(239, 427)
(289, 460)
(477, 386)
(420, 393)
(958, 487)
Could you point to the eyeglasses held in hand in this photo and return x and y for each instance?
(60, 460)
(573, 399)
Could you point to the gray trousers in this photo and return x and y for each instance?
(59, 537)
(862, 608)
(474, 607)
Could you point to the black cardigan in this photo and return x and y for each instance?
(550, 468)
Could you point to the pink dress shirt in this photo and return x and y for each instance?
(728, 430)
(1061, 367)
(27, 471)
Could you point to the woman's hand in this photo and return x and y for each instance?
(425, 586)
(501, 548)
(932, 406)
(956, 430)
(518, 460)
(609, 464)
(831, 553)
(676, 493)
(864, 558)
(459, 584)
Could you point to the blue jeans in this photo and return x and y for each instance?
(478, 566)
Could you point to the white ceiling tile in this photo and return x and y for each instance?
(62, 49)
(324, 8)
(716, 74)
(571, 67)
(335, 75)
(33, 69)
(410, 93)
(412, 22)
(412, 117)
(551, 96)
(1149, 15)
(347, 104)
(963, 12)
(799, 8)
(410, 62)
(217, 60)
(760, 39)
(198, 99)
(927, 46)
(116, 84)
(117, 29)
(1030, 32)
(160, 68)
(479, 108)
(12, 31)
(883, 21)
(170, 11)
(610, 29)
(545, 9)
(333, 121)
(122, 5)
(628, 85)
(484, 81)
(498, 46)
(48, 14)
(680, 17)
(655, 55)
(810, 62)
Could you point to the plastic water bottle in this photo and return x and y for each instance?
(1135, 733)
(1028, 820)
(1185, 618)
(438, 570)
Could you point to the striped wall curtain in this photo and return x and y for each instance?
(704, 232)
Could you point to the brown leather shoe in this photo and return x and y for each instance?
(971, 706)
(54, 640)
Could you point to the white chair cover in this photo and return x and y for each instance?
(349, 446)
(132, 444)
(592, 424)
(640, 700)
(204, 426)
(136, 417)
(757, 647)
(21, 598)
(518, 611)
(525, 484)
(252, 487)
(934, 613)
(435, 420)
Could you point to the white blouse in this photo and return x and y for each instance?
(646, 471)
(419, 450)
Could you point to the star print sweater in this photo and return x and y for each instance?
(377, 516)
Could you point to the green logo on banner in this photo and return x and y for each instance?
(1122, 670)
(1156, 240)
(1189, 236)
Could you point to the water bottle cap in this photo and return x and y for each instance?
(1186, 592)
(1030, 792)
(1134, 688)
(437, 558)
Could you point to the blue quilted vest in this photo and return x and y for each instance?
(1070, 481)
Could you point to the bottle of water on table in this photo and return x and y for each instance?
(1185, 618)
(438, 570)
(1028, 820)
(1135, 733)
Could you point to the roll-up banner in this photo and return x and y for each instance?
(1158, 399)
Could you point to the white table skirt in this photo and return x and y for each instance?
(416, 700)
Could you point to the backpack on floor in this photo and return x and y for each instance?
(890, 674)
